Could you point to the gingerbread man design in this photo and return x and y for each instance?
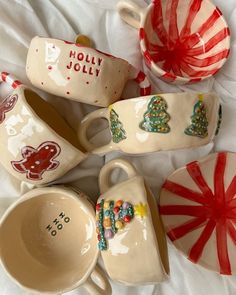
(7, 105)
(37, 161)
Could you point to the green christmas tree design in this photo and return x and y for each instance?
(156, 117)
(117, 130)
(199, 121)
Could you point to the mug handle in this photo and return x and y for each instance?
(130, 12)
(141, 79)
(105, 172)
(9, 79)
(95, 289)
(82, 132)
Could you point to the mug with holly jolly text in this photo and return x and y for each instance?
(37, 145)
(130, 233)
(156, 123)
(48, 243)
(80, 73)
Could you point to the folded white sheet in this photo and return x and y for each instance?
(20, 21)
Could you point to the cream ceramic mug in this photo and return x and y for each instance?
(130, 233)
(37, 145)
(156, 122)
(80, 73)
(48, 242)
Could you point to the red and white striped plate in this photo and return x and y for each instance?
(198, 208)
(184, 40)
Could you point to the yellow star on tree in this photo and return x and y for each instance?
(140, 210)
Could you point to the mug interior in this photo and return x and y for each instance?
(48, 242)
(188, 39)
(52, 118)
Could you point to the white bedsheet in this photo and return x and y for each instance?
(20, 21)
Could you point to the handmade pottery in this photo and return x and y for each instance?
(48, 242)
(197, 204)
(80, 73)
(181, 41)
(37, 145)
(130, 234)
(154, 123)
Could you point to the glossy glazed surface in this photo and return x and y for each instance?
(48, 241)
(36, 144)
(79, 73)
(126, 120)
(137, 253)
(197, 204)
(181, 41)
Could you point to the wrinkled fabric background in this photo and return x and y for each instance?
(20, 21)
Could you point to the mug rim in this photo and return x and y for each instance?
(71, 194)
(155, 69)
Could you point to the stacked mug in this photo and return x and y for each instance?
(50, 238)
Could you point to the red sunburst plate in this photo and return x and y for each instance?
(198, 208)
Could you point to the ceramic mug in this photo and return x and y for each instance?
(80, 73)
(130, 233)
(154, 123)
(37, 145)
(48, 242)
(181, 41)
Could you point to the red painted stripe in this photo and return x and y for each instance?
(195, 80)
(220, 36)
(16, 83)
(141, 33)
(173, 22)
(176, 70)
(196, 175)
(197, 249)
(187, 210)
(193, 11)
(158, 56)
(147, 58)
(206, 26)
(169, 77)
(207, 61)
(146, 91)
(219, 186)
(231, 190)
(4, 76)
(141, 77)
(157, 22)
(222, 248)
(184, 192)
(193, 73)
(180, 231)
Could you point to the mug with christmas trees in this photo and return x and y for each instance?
(128, 227)
(157, 122)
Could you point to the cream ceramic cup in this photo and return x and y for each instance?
(130, 233)
(80, 73)
(37, 145)
(155, 123)
(48, 243)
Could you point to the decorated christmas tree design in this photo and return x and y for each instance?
(117, 130)
(199, 121)
(156, 117)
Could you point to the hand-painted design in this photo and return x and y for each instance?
(199, 121)
(7, 105)
(140, 210)
(215, 212)
(180, 50)
(219, 120)
(111, 217)
(117, 130)
(37, 161)
(156, 117)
